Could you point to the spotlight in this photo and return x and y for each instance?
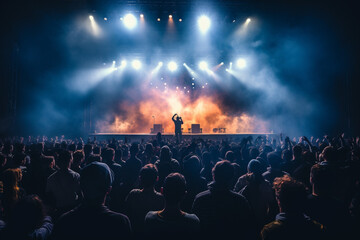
(204, 23)
(241, 63)
(172, 66)
(121, 19)
(136, 64)
(130, 21)
(230, 65)
(158, 19)
(91, 17)
(203, 65)
(160, 64)
(248, 20)
(234, 20)
(142, 15)
(123, 64)
(105, 18)
(180, 20)
(170, 16)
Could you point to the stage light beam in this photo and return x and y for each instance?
(204, 23)
(130, 21)
(94, 26)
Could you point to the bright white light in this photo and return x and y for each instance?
(136, 64)
(105, 18)
(203, 65)
(204, 23)
(170, 16)
(142, 15)
(91, 18)
(172, 66)
(160, 64)
(230, 65)
(130, 21)
(222, 63)
(248, 20)
(123, 64)
(241, 63)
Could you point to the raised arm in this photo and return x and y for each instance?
(173, 117)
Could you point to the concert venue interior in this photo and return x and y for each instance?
(88, 66)
(179, 119)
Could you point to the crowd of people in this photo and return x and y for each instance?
(268, 187)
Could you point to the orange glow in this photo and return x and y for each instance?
(137, 118)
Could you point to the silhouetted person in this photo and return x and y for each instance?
(63, 187)
(78, 159)
(274, 170)
(223, 213)
(140, 201)
(92, 219)
(323, 207)
(165, 165)
(28, 221)
(259, 194)
(171, 222)
(194, 182)
(206, 171)
(178, 122)
(291, 222)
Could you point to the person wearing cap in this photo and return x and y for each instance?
(259, 193)
(92, 219)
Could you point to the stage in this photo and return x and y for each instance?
(137, 137)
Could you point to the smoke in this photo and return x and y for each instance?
(204, 110)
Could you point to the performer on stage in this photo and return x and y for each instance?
(178, 122)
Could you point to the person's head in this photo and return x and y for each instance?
(322, 180)
(19, 159)
(290, 194)
(274, 160)
(148, 176)
(149, 149)
(230, 156)
(174, 188)
(95, 182)
(109, 155)
(27, 215)
(254, 152)
(88, 148)
(192, 166)
(134, 149)
(3, 160)
(65, 159)
(329, 154)
(206, 159)
(177, 118)
(255, 167)
(297, 151)
(165, 154)
(78, 157)
(97, 150)
(223, 173)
